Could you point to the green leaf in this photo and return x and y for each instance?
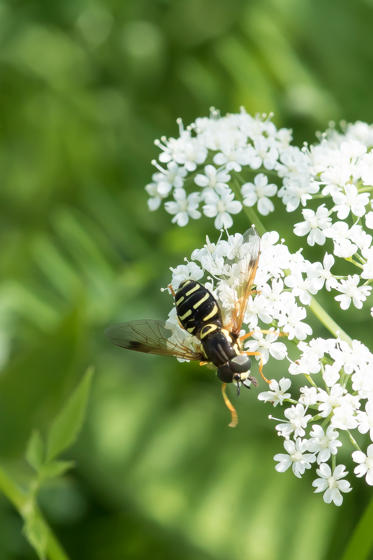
(360, 544)
(35, 450)
(56, 468)
(68, 423)
(37, 534)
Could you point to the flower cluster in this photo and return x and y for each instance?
(219, 166)
(237, 161)
(280, 300)
(338, 395)
(335, 405)
(340, 168)
(212, 159)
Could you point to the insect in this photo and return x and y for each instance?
(218, 341)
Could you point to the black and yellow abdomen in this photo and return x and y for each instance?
(199, 314)
(196, 307)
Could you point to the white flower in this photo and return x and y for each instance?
(297, 190)
(298, 420)
(297, 457)
(190, 271)
(156, 195)
(220, 204)
(340, 233)
(233, 156)
(367, 272)
(331, 373)
(366, 168)
(365, 420)
(267, 345)
(331, 400)
(344, 416)
(185, 150)
(264, 153)
(360, 238)
(258, 192)
(183, 207)
(168, 178)
(309, 361)
(369, 220)
(351, 291)
(163, 182)
(325, 272)
(302, 287)
(323, 443)
(332, 484)
(342, 405)
(308, 396)
(277, 393)
(352, 201)
(290, 320)
(349, 355)
(314, 224)
(365, 464)
(212, 178)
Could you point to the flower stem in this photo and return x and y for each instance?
(310, 380)
(254, 219)
(20, 500)
(328, 322)
(12, 491)
(353, 441)
(250, 212)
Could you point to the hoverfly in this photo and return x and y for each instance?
(218, 342)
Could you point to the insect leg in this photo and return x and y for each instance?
(171, 290)
(247, 335)
(265, 331)
(230, 407)
(260, 364)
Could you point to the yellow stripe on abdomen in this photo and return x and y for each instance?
(207, 330)
(211, 314)
(192, 290)
(187, 314)
(202, 300)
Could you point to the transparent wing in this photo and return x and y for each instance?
(248, 268)
(151, 337)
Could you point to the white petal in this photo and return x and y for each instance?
(320, 484)
(369, 477)
(265, 206)
(358, 457)
(223, 220)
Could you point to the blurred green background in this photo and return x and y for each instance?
(85, 89)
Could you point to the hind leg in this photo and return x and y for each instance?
(260, 363)
(234, 421)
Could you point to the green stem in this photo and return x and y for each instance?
(353, 441)
(249, 211)
(12, 491)
(351, 260)
(254, 219)
(310, 380)
(328, 322)
(361, 541)
(21, 502)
